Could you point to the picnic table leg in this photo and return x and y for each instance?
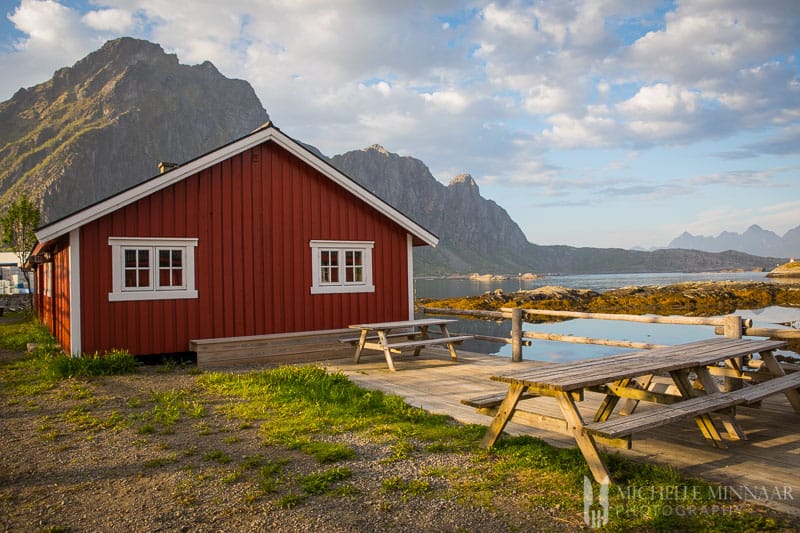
(423, 334)
(386, 351)
(452, 348)
(610, 402)
(630, 405)
(704, 422)
(585, 442)
(776, 370)
(728, 420)
(362, 340)
(504, 412)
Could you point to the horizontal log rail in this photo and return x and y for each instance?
(588, 340)
(773, 333)
(650, 319)
(465, 312)
(732, 326)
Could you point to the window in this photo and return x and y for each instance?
(152, 269)
(341, 266)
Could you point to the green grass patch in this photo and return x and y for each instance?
(321, 482)
(168, 407)
(115, 362)
(324, 452)
(217, 456)
(16, 335)
(303, 401)
(407, 487)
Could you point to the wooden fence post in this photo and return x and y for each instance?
(516, 334)
(732, 329)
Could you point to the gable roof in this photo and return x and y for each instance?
(268, 132)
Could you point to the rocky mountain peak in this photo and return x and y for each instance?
(378, 148)
(464, 180)
(101, 125)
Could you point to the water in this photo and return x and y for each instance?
(770, 317)
(451, 288)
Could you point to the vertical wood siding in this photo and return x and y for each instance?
(254, 216)
(53, 309)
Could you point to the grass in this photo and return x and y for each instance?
(305, 408)
(321, 482)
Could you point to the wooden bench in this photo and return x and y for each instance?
(640, 421)
(429, 342)
(490, 401)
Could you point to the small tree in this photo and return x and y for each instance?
(19, 224)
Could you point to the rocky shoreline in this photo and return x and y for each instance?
(691, 298)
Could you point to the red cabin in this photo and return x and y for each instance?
(258, 237)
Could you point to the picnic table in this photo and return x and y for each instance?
(415, 332)
(632, 377)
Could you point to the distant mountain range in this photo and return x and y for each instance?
(755, 240)
(102, 125)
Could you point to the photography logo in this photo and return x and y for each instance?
(595, 514)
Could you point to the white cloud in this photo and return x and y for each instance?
(660, 101)
(54, 38)
(497, 89)
(113, 20)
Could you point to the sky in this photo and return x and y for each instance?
(608, 123)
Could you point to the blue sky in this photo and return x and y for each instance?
(612, 123)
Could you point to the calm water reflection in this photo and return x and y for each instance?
(771, 317)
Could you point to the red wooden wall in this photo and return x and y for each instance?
(53, 310)
(254, 216)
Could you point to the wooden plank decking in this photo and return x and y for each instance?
(769, 458)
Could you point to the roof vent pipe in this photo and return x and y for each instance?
(166, 166)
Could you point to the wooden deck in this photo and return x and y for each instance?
(769, 458)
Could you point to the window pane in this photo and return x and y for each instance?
(163, 258)
(358, 275)
(144, 278)
(177, 258)
(334, 275)
(177, 278)
(144, 258)
(130, 258)
(130, 278)
(163, 277)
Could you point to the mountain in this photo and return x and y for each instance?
(102, 125)
(457, 213)
(755, 240)
(476, 234)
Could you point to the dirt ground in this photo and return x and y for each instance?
(82, 457)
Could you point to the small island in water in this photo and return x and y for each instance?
(786, 270)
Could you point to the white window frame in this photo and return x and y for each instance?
(47, 274)
(342, 286)
(120, 293)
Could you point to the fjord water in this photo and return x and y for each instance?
(771, 317)
(452, 288)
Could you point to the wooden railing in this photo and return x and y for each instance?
(732, 326)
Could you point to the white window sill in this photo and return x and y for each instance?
(134, 296)
(337, 289)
